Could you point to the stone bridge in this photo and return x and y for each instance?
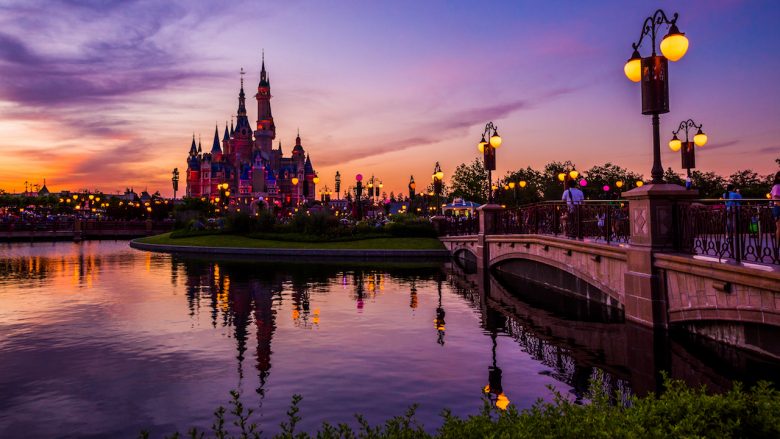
(652, 285)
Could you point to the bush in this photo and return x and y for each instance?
(408, 225)
(239, 223)
(265, 221)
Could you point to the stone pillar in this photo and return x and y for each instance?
(488, 221)
(651, 216)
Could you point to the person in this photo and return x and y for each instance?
(775, 195)
(573, 197)
(732, 207)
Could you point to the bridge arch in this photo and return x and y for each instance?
(615, 297)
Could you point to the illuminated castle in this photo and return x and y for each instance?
(245, 159)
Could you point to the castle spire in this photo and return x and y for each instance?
(199, 148)
(193, 147)
(215, 148)
(227, 133)
(242, 96)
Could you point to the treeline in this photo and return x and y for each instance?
(601, 182)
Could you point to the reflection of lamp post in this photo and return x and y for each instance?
(488, 150)
(438, 177)
(495, 389)
(653, 73)
(688, 153)
(175, 181)
(438, 322)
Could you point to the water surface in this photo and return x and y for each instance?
(97, 339)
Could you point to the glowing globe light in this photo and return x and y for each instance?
(562, 176)
(675, 144)
(523, 183)
(440, 175)
(359, 177)
(481, 145)
(511, 184)
(640, 183)
(294, 181)
(573, 174)
(700, 139)
(633, 67)
(606, 188)
(495, 140)
(675, 44)
(583, 182)
(315, 179)
(619, 184)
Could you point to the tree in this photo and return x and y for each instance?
(607, 175)
(469, 182)
(531, 193)
(709, 184)
(749, 183)
(672, 177)
(551, 187)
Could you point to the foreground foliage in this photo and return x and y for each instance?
(679, 411)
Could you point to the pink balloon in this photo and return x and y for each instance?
(583, 182)
(606, 188)
(359, 177)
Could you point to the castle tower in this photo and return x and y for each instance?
(266, 130)
(241, 144)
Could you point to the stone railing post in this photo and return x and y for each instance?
(651, 218)
(488, 225)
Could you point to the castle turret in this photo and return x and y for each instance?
(266, 130)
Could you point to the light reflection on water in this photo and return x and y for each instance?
(97, 338)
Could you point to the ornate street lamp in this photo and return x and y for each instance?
(175, 181)
(412, 186)
(358, 194)
(687, 151)
(338, 185)
(488, 150)
(653, 72)
(438, 178)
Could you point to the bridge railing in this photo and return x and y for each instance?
(741, 230)
(461, 225)
(605, 221)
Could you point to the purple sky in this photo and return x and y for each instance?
(107, 94)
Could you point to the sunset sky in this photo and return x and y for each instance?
(107, 94)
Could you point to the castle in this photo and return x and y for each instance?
(255, 172)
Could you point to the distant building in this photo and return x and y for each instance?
(246, 160)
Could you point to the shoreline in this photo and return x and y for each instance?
(292, 252)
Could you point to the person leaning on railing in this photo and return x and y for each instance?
(732, 206)
(775, 195)
(573, 197)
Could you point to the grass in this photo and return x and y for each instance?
(387, 243)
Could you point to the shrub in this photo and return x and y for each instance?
(265, 221)
(239, 223)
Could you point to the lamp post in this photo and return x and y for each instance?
(175, 181)
(565, 176)
(338, 185)
(438, 177)
(653, 72)
(688, 153)
(358, 193)
(488, 150)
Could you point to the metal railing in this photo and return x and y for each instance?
(741, 230)
(461, 225)
(605, 221)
